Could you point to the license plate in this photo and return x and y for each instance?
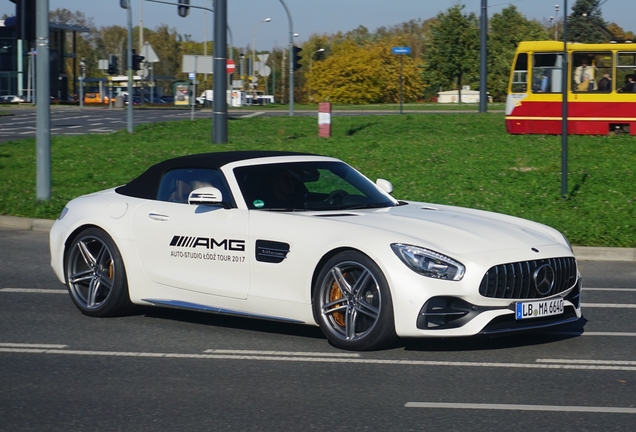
(538, 308)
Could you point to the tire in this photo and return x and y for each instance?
(352, 303)
(95, 275)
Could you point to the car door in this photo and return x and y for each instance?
(200, 248)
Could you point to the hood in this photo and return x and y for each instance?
(455, 230)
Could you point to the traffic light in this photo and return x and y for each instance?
(183, 8)
(112, 64)
(296, 57)
(136, 61)
(25, 19)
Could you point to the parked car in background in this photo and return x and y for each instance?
(168, 99)
(11, 99)
(95, 98)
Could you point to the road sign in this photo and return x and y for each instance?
(149, 54)
(231, 66)
(191, 76)
(401, 50)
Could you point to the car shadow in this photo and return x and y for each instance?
(471, 343)
(233, 322)
(498, 342)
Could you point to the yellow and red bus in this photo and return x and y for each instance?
(601, 88)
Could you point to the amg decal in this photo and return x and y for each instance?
(208, 243)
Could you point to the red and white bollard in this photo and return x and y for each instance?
(324, 119)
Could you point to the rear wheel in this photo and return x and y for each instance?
(352, 303)
(95, 275)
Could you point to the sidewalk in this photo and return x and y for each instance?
(583, 253)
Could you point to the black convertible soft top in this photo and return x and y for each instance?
(147, 184)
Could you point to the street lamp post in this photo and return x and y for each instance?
(556, 22)
(291, 58)
(254, 50)
(311, 58)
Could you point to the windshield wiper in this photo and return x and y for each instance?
(366, 206)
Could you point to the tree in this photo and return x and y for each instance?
(507, 29)
(585, 23)
(452, 55)
(361, 74)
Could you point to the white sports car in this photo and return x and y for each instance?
(307, 239)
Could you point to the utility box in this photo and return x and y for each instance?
(119, 101)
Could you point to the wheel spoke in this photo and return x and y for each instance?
(93, 287)
(340, 280)
(88, 257)
(350, 323)
(360, 282)
(340, 306)
(365, 308)
(81, 276)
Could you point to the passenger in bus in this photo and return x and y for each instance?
(630, 85)
(584, 77)
(545, 83)
(605, 84)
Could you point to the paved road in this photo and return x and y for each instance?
(171, 370)
(73, 121)
(70, 120)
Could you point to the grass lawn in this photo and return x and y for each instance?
(459, 159)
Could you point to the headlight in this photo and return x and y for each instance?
(568, 243)
(64, 211)
(429, 263)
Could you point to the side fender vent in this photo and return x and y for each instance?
(271, 251)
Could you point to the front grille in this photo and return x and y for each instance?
(516, 280)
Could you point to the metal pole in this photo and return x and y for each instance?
(564, 105)
(291, 59)
(43, 109)
(401, 82)
(483, 58)
(193, 100)
(130, 71)
(219, 104)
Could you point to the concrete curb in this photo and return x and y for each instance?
(583, 253)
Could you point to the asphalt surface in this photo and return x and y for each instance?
(161, 369)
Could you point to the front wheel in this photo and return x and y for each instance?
(352, 303)
(95, 275)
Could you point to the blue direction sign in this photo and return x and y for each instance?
(401, 50)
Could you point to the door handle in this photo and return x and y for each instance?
(158, 217)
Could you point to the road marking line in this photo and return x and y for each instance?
(609, 305)
(610, 289)
(320, 359)
(21, 345)
(255, 114)
(592, 333)
(510, 407)
(73, 127)
(290, 353)
(34, 290)
(577, 361)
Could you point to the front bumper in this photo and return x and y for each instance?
(446, 312)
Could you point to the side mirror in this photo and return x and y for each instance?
(385, 185)
(206, 196)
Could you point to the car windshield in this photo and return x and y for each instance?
(308, 186)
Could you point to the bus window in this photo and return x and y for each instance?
(520, 74)
(626, 69)
(546, 73)
(590, 69)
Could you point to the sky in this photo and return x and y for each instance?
(309, 16)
